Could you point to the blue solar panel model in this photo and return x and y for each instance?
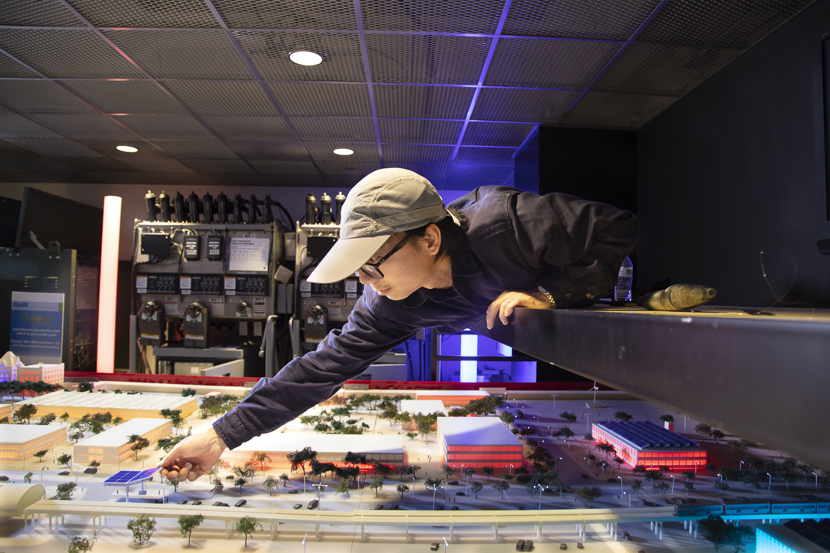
(647, 435)
(129, 477)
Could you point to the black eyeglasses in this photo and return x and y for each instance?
(373, 269)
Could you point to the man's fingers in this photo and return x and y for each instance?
(185, 471)
(492, 311)
(194, 474)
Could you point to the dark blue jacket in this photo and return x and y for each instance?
(571, 247)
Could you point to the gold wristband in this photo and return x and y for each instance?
(547, 295)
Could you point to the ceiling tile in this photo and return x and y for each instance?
(621, 111)
(324, 151)
(111, 177)
(433, 172)
(183, 179)
(484, 156)
(272, 150)
(419, 131)
(210, 166)
(269, 51)
(239, 127)
(44, 13)
(548, 63)
(497, 134)
(458, 16)
(737, 24)
(183, 53)
(602, 19)
(166, 126)
(125, 96)
(186, 149)
(426, 59)
(50, 147)
(540, 106)
(107, 147)
(423, 102)
(87, 164)
(59, 54)
(83, 125)
(237, 179)
(222, 97)
(39, 97)
(156, 165)
(143, 13)
(663, 70)
(276, 167)
(346, 100)
(347, 168)
(290, 14)
(300, 181)
(327, 129)
(17, 126)
(394, 154)
(480, 172)
(11, 68)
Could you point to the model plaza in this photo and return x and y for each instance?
(398, 509)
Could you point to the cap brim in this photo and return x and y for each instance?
(346, 257)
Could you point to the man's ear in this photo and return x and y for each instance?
(432, 237)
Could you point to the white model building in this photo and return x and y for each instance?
(126, 406)
(50, 374)
(479, 441)
(452, 398)
(112, 446)
(645, 443)
(330, 448)
(22, 441)
(6, 410)
(422, 407)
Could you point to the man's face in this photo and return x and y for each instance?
(405, 271)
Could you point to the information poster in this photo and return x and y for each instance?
(249, 254)
(37, 327)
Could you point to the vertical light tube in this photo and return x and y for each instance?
(469, 369)
(108, 284)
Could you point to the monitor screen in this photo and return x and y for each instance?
(76, 226)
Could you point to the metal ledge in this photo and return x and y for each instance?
(763, 375)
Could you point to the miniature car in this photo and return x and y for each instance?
(4, 478)
(528, 546)
(378, 507)
(579, 545)
(452, 483)
(519, 545)
(313, 504)
(454, 508)
(440, 508)
(229, 477)
(394, 507)
(434, 546)
(182, 502)
(158, 500)
(293, 491)
(626, 536)
(298, 505)
(196, 503)
(240, 503)
(563, 546)
(219, 504)
(462, 494)
(90, 470)
(64, 473)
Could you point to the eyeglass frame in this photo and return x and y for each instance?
(376, 266)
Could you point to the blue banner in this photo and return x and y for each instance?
(37, 327)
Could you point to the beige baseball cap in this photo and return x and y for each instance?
(384, 202)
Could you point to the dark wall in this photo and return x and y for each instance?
(729, 171)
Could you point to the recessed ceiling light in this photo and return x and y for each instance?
(128, 149)
(343, 151)
(304, 57)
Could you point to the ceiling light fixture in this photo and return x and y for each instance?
(304, 57)
(343, 151)
(128, 149)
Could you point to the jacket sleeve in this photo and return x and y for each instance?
(579, 244)
(314, 377)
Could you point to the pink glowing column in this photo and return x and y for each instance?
(108, 280)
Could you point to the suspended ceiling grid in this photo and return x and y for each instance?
(204, 88)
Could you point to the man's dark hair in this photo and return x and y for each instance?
(452, 236)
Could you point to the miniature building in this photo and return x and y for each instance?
(22, 441)
(479, 441)
(452, 398)
(8, 374)
(330, 448)
(50, 374)
(6, 410)
(126, 406)
(645, 443)
(422, 407)
(112, 446)
(810, 536)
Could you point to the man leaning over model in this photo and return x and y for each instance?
(424, 265)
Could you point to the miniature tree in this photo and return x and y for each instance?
(25, 412)
(64, 491)
(40, 455)
(64, 417)
(637, 487)
(722, 533)
(300, 458)
(448, 471)
(475, 488)
(507, 418)
(4, 420)
(186, 392)
(402, 489)
(689, 487)
(260, 457)
(703, 429)
(81, 544)
(618, 461)
(411, 435)
(46, 419)
(270, 483)
(413, 470)
(117, 420)
(721, 486)
(284, 478)
(139, 443)
(424, 424)
(622, 416)
(188, 523)
(76, 436)
(639, 469)
(95, 463)
(169, 442)
(377, 484)
(218, 486)
(239, 483)
(588, 438)
(27, 478)
(64, 459)
(569, 417)
(667, 418)
(142, 529)
(718, 435)
(247, 526)
(488, 471)
(589, 494)
(343, 487)
(501, 486)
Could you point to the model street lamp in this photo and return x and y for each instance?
(556, 461)
(769, 484)
(588, 425)
(816, 475)
(554, 400)
(511, 469)
(319, 487)
(304, 537)
(445, 545)
(741, 465)
(621, 485)
(672, 483)
(540, 494)
(47, 468)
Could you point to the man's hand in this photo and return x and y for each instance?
(193, 456)
(507, 301)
